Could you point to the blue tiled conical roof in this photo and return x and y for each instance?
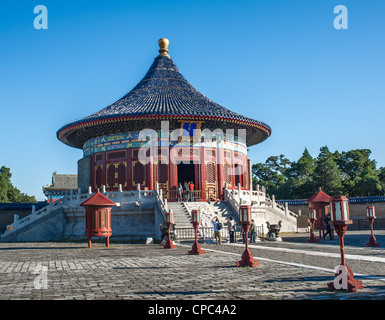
(163, 94)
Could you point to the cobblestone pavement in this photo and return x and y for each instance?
(291, 269)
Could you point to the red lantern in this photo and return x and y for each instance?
(320, 202)
(312, 215)
(98, 217)
(196, 219)
(196, 216)
(244, 214)
(169, 217)
(245, 219)
(370, 212)
(339, 207)
(313, 218)
(340, 217)
(371, 215)
(169, 221)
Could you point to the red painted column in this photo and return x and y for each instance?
(197, 170)
(129, 169)
(221, 176)
(93, 183)
(203, 173)
(104, 176)
(173, 175)
(151, 182)
(233, 169)
(248, 174)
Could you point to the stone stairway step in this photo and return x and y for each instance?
(182, 218)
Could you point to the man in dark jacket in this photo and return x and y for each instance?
(253, 231)
(328, 227)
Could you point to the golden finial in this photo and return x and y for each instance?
(163, 44)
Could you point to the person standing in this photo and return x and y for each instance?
(253, 231)
(217, 230)
(231, 228)
(180, 192)
(191, 189)
(186, 190)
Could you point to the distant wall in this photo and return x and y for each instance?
(6, 217)
(48, 228)
(127, 223)
(357, 214)
(8, 210)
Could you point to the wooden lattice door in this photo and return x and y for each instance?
(162, 178)
(211, 181)
(138, 173)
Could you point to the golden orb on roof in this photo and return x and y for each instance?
(163, 45)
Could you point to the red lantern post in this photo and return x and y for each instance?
(313, 218)
(344, 280)
(371, 215)
(247, 257)
(196, 248)
(98, 217)
(320, 203)
(169, 222)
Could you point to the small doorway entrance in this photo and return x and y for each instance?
(186, 172)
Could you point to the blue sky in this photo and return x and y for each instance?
(281, 62)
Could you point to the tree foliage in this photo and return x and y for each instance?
(327, 174)
(272, 173)
(301, 176)
(9, 193)
(350, 173)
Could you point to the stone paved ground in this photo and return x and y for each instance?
(291, 269)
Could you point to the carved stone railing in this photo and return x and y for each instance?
(256, 199)
(73, 200)
(162, 203)
(35, 215)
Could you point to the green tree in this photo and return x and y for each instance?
(381, 177)
(350, 173)
(272, 175)
(301, 176)
(9, 193)
(359, 174)
(326, 173)
(367, 184)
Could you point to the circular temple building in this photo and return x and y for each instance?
(162, 133)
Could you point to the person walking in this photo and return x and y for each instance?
(231, 228)
(217, 230)
(328, 227)
(253, 231)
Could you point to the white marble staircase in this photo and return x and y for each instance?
(182, 217)
(263, 208)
